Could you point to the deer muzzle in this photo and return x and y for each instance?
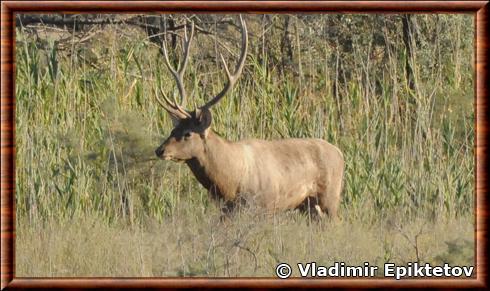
(159, 152)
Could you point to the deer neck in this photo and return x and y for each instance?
(218, 167)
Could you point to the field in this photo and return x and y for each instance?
(93, 200)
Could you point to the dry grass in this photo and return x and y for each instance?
(92, 201)
(196, 244)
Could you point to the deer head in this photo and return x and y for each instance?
(191, 127)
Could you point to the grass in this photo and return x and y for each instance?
(91, 198)
(194, 244)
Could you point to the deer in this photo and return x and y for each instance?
(277, 175)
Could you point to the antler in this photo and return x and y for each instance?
(173, 107)
(232, 78)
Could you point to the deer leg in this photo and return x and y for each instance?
(319, 211)
(329, 198)
(311, 206)
(227, 210)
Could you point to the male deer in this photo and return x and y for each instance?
(276, 175)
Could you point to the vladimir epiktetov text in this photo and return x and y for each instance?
(390, 270)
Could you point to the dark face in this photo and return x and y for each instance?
(186, 141)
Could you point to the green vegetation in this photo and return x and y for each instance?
(93, 200)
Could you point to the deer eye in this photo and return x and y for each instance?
(187, 135)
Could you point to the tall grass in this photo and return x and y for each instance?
(87, 123)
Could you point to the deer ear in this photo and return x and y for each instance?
(203, 118)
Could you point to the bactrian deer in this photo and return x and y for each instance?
(276, 175)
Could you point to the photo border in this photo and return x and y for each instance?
(480, 10)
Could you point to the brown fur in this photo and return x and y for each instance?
(276, 175)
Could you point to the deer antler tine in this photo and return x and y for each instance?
(175, 105)
(227, 71)
(170, 109)
(166, 103)
(187, 45)
(174, 100)
(165, 55)
(178, 75)
(238, 69)
(243, 55)
(185, 30)
(159, 100)
(170, 103)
